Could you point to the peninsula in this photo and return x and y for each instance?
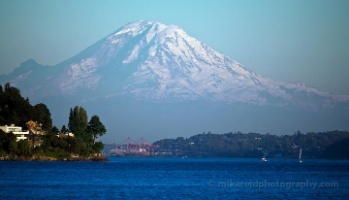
(27, 132)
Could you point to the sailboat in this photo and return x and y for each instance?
(300, 155)
(265, 153)
(264, 159)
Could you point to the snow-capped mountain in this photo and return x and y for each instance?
(150, 60)
(151, 73)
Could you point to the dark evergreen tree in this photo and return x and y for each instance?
(54, 130)
(14, 109)
(42, 115)
(63, 129)
(78, 122)
(96, 127)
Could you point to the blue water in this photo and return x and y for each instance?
(175, 178)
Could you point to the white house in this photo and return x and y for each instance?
(63, 135)
(17, 130)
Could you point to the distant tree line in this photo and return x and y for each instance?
(337, 150)
(14, 109)
(314, 145)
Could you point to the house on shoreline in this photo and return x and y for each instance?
(32, 135)
(17, 131)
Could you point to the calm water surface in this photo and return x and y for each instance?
(175, 178)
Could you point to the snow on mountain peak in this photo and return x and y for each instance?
(151, 60)
(139, 26)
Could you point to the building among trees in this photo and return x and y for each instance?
(17, 131)
(42, 140)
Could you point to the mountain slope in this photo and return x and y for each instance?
(150, 60)
(155, 80)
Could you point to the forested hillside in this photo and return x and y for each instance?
(39, 139)
(238, 144)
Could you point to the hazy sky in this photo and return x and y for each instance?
(286, 40)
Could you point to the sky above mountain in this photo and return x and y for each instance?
(304, 41)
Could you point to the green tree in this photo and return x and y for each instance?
(63, 129)
(14, 109)
(8, 142)
(24, 148)
(54, 130)
(78, 122)
(42, 115)
(98, 147)
(13, 148)
(96, 127)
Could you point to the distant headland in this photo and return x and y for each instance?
(327, 145)
(27, 132)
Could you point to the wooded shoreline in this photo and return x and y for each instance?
(45, 158)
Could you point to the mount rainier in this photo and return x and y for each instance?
(161, 64)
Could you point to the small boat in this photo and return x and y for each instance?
(300, 156)
(264, 159)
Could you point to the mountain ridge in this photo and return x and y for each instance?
(152, 78)
(147, 59)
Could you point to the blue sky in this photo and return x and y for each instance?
(288, 40)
